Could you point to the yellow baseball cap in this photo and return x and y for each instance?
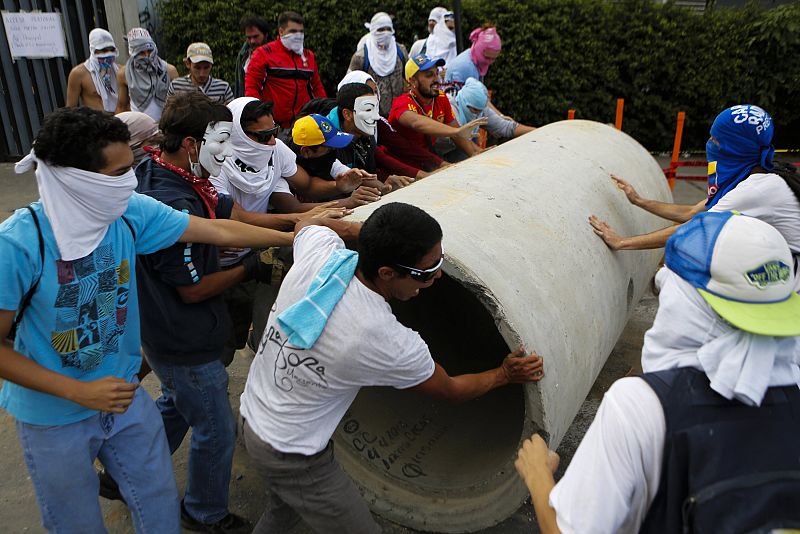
(316, 130)
(421, 62)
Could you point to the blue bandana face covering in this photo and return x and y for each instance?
(743, 135)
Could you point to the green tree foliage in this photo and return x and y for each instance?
(562, 54)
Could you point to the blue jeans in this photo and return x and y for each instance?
(196, 397)
(134, 451)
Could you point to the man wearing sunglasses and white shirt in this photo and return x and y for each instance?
(333, 309)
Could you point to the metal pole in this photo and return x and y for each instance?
(459, 36)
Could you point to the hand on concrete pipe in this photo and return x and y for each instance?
(535, 458)
(397, 182)
(520, 368)
(630, 192)
(605, 231)
(536, 464)
(363, 195)
(325, 210)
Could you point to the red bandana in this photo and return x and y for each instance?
(202, 186)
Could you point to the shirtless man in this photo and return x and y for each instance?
(93, 83)
(144, 81)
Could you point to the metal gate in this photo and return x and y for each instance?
(32, 88)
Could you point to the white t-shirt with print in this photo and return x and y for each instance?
(295, 398)
(614, 476)
(283, 165)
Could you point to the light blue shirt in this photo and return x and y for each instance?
(462, 68)
(83, 320)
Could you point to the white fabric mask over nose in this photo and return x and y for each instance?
(80, 205)
(365, 114)
(294, 42)
(215, 147)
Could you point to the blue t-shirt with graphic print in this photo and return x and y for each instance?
(83, 320)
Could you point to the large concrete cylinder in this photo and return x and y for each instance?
(522, 266)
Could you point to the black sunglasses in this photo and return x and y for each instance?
(262, 136)
(421, 275)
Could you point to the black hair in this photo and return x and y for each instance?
(346, 97)
(320, 106)
(254, 21)
(253, 111)
(187, 114)
(290, 16)
(76, 137)
(395, 233)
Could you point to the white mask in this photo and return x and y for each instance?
(365, 114)
(384, 38)
(215, 147)
(294, 42)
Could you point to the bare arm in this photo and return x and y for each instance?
(172, 72)
(465, 144)
(109, 394)
(679, 213)
(276, 221)
(516, 369)
(228, 233)
(347, 230)
(315, 187)
(427, 126)
(74, 83)
(123, 101)
(522, 129)
(536, 465)
(286, 221)
(614, 241)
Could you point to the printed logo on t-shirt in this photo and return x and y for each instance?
(91, 308)
(292, 368)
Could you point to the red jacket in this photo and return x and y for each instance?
(276, 73)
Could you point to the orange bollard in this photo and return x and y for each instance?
(676, 150)
(570, 114)
(620, 106)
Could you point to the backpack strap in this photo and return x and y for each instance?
(400, 54)
(130, 227)
(365, 68)
(26, 300)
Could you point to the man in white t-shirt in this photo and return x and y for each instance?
(255, 176)
(742, 177)
(718, 401)
(295, 397)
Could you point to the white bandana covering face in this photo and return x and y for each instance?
(365, 114)
(381, 45)
(103, 68)
(80, 205)
(216, 147)
(255, 174)
(294, 42)
(740, 365)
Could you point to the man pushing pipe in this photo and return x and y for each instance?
(330, 332)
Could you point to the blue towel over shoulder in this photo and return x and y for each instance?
(304, 321)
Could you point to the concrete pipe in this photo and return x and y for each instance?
(522, 266)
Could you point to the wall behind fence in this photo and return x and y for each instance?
(561, 54)
(31, 88)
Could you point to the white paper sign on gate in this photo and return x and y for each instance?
(34, 35)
